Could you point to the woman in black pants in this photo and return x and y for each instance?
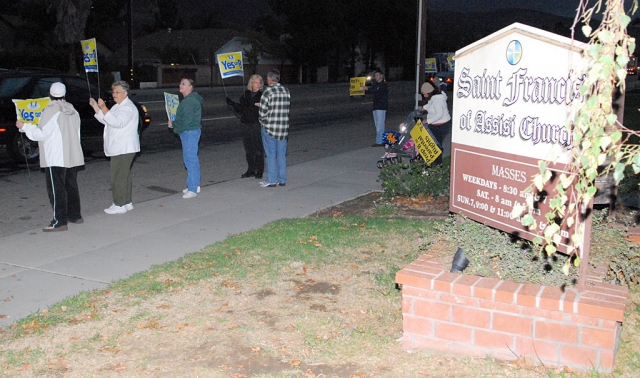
(248, 107)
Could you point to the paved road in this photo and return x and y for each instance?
(158, 171)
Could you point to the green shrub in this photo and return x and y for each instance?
(416, 179)
(613, 249)
(494, 253)
(630, 183)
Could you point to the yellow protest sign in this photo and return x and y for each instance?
(171, 102)
(430, 65)
(356, 86)
(90, 55)
(30, 110)
(230, 64)
(425, 143)
(452, 63)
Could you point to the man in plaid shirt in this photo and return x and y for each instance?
(274, 119)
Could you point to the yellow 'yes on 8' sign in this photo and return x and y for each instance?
(452, 63)
(171, 103)
(430, 65)
(90, 55)
(356, 86)
(426, 143)
(30, 111)
(230, 64)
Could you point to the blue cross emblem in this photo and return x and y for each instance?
(514, 52)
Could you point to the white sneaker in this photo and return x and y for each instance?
(189, 194)
(116, 209)
(184, 191)
(129, 206)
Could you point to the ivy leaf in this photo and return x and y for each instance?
(537, 181)
(565, 268)
(612, 118)
(576, 261)
(550, 249)
(551, 230)
(586, 30)
(616, 136)
(618, 175)
(527, 220)
(602, 158)
(566, 180)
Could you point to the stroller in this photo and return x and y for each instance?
(399, 145)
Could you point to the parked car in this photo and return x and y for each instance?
(35, 83)
(632, 66)
(445, 77)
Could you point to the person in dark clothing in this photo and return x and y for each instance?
(248, 107)
(380, 104)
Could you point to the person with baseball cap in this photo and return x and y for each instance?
(438, 117)
(58, 137)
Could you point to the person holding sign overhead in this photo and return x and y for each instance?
(248, 107)
(188, 126)
(121, 143)
(438, 117)
(58, 136)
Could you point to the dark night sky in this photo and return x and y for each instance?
(565, 8)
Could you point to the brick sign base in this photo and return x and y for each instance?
(477, 316)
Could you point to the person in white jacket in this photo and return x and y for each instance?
(121, 143)
(58, 137)
(438, 118)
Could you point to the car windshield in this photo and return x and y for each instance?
(9, 86)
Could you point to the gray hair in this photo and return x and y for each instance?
(252, 79)
(274, 75)
(121, 83)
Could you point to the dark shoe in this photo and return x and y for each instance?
(77, 221)
(54, 229)
(282, 183)
(258, 175)
(377, 145)
(247, 174)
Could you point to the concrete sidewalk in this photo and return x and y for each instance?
(39, 269)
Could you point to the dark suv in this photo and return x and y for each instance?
(35, 83)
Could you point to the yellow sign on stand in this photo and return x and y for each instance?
(356, 86)
(425, 143)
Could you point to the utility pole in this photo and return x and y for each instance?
(130, 41)
(421, 41)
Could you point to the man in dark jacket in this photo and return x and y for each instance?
(380, 104)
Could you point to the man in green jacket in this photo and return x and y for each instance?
(188, 126)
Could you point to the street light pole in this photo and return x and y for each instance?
(421, 26)
(130, 40)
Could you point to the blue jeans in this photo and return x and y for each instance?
(190, 139)
(378, 118)
(276, 151)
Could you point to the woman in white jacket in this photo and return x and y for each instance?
(438, 117)
(121, 143)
